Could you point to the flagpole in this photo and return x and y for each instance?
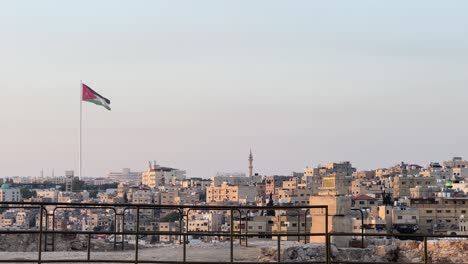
(81, 122)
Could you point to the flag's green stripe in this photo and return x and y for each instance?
(98, 102)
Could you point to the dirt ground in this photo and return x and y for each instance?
(212, 252)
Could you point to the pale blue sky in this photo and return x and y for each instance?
(195, 84)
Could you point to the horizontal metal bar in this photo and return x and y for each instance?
(152, 261)
(211, 233)
(162, 233)
(397, 235)
(167, 206)
(360, 262)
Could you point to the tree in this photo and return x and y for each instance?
(93, 193)
(171, 217)
(202, 197)
(77, 185)
(26, 193)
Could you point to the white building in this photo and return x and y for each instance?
(157, 176)
(125, 176)
(8, 194)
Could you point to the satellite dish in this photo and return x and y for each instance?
(462, 216)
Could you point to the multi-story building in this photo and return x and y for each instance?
(231, 180)
(142, 196)
(125, 175)
(374, 188)
(399, 219)
(168, 227)
(456, 162)
(157, 176)
(364, 201)
(365, 175)
(285, 222)
(272, 183)
(334, 184)
(48, 195)
(441, 214)
(403, 184)
(294, 196)
(223, 193)
(8, 194)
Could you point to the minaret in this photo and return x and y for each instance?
(250, 164)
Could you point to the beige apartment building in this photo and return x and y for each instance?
(261, 225)
(364, 201)
(369, 187)
(291, 183)
(51, 195)
(364, 175)
(169, 197)
(143, 196)
(335, 184)
(403, 184)
(462, 227)
(288, 222)
(440, 215)
(157, 176)
(295, 196)
(399, 218)
(272, 183)
(456, 162)
(422, 192)
(168, 227)
(240, 194)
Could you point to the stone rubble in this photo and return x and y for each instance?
(377, 250)
(397, 251)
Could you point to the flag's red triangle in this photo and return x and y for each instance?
(87, 93)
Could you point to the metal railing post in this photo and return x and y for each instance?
(426, 257)
(247, 229)
(185, 237)
(362, 225)
(298, 225)
(137, 233)
(39, 256)
(115, 230)
(279, 247)
(89, 248)
(240, 227)
(327, 238)
(305, 225)
(232, 236)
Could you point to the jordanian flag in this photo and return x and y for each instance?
(89, 95)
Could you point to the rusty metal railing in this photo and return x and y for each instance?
(47, 230)
(44, 230)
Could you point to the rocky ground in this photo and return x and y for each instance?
(397, 251)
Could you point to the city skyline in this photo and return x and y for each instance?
(196, 87)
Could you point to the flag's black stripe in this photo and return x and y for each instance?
(105, 99)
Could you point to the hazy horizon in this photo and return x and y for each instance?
(195, 85)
